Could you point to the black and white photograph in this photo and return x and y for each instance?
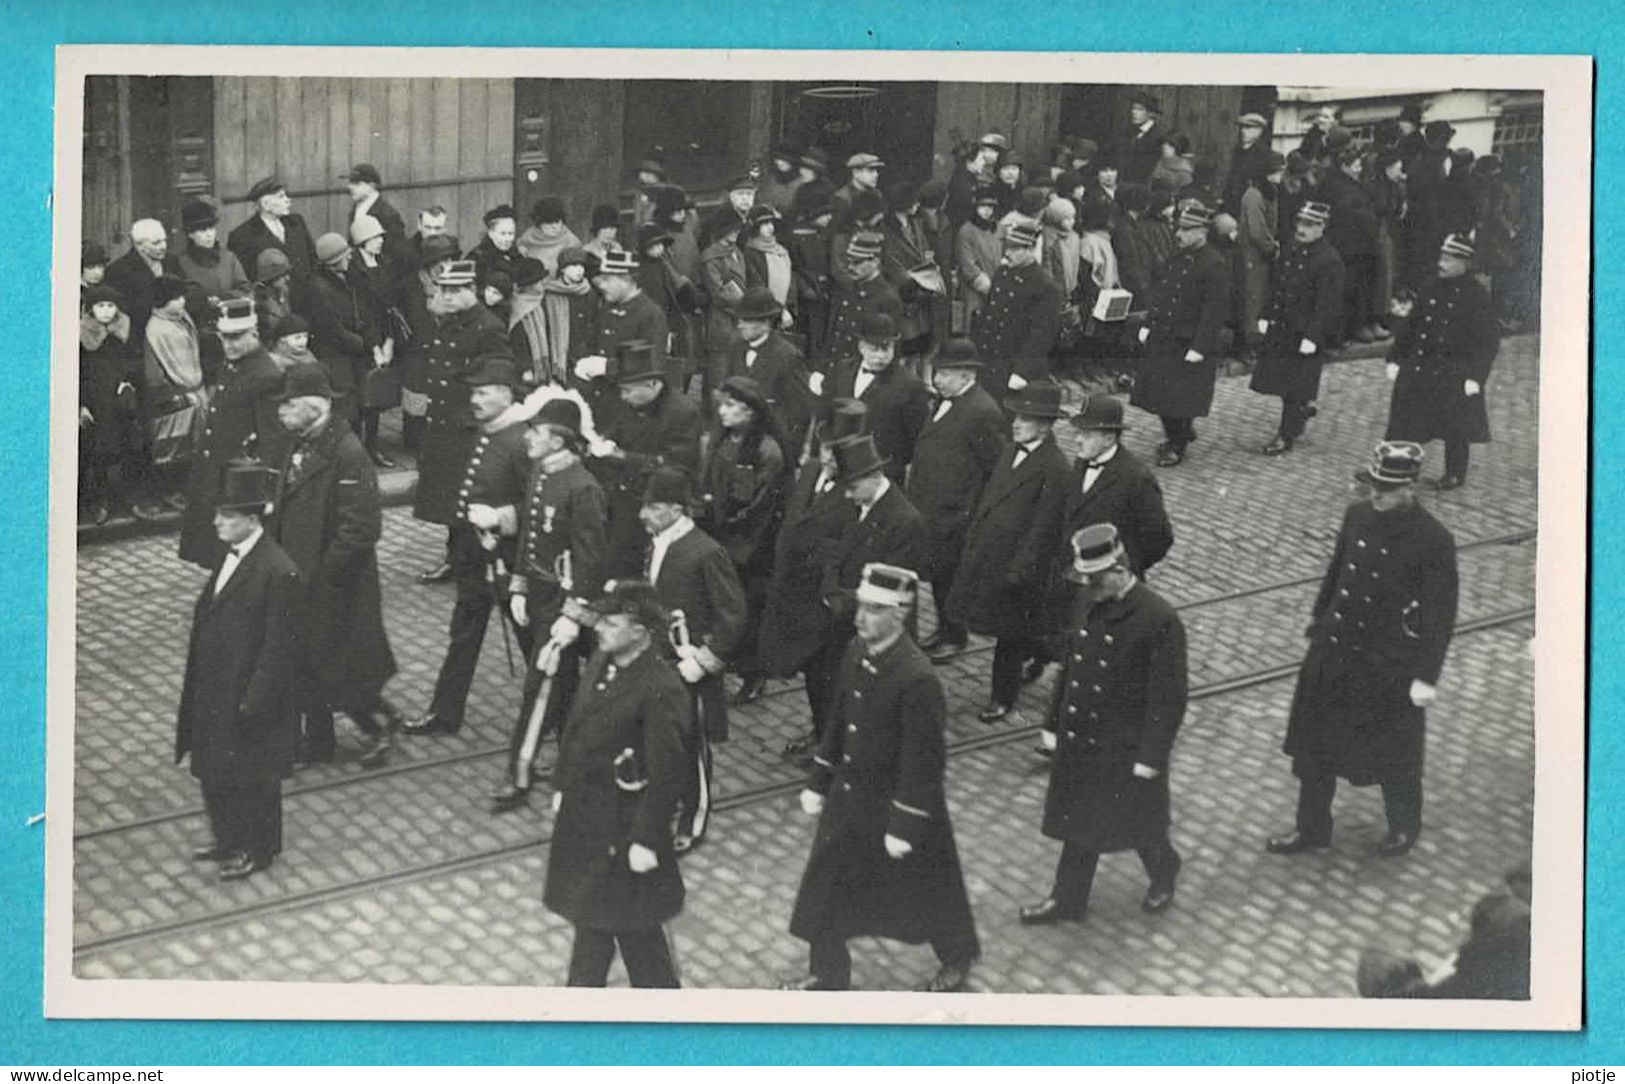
(828, 537)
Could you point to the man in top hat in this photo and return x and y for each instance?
(328, 521)
(797, 632)
(1186, 312)
(337, 331)
(959, 447)
(1143, 150)
(1380, 630)
(1302, 320)
(464, 330)
(974, 174)
(136, 273)
(1441, 363)
(491, 483)
(1117, 709)
(205, 261)
(558, 567)
(627, 315)
(693, 575)
(897, 400)
(1013, 543)
(884, 862)
(1021, 316)
(1247, 161)
(239, 420)
(860, 294)
(611, 869)
(863, 175)
(238, 709)
(274, 225)
(762, 353)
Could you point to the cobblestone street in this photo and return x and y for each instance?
(401, 874)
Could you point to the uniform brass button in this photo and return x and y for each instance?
(852, 728)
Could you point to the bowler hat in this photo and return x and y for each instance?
(888, 585)
(1394, 463)
(101, 292)
(363, 173)
(244, 485)
(878, 327)
(746, 390)
(1095, 548)
(856, 458)
(364, 229)
(308, 378)
(1099, 412)
(330, 246)
(958, 353)
(528, 271)
(1039, 399)
(291, 324)
(841, 419)
(266, 186)
(635, 360)
(636, 599)
(605, 216)
(668, 485)
(560, 413)
(499, 212)
(491, 366)
(198, 215)
(758, 304)
(436, 249)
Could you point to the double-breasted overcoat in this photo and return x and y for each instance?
(1187, 310)
(1450, 337)
(1307, 304)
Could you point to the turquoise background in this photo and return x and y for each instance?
(33, 29)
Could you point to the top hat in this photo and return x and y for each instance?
(330, 246)
(747, 390)
(562, 413)
(815, 158)
(758, 304)
(1251, 120)
(1457, 245)
(457, 273)
(236, 316)
(364, 229)
(499, 212)
(865, 160)
(636, 599)
(1099, 412)
(198, 215)
(668, 485)
(1316, 213)
(635, 360)
(888, 585)
(364, 173)
(878, 327)
(958, 353)
(616, 262)
(1394, 463)
(308, 378)
(1095, 548)
(842, 419)
(266, 186)
(605, 215)
(857, 457)
(244, 485)
(491, 366)
(1039, 399)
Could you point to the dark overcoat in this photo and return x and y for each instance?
(953, 458)
(643, 708)
(849, 304)
(252, 237)
(241, 420)
(782, 373)
(697, 577)
(1187, 310)
(663, 433)
(1451, 337)
(898, 403)
(744, 500)
(795, 621)
(1383, 618)
(1119, 702)
(892, 533)
(448, 427)
(1307, 304)
(638, 319)
(338, 339)
(238, 714)
(116, 429)
(328, 521)
(135, 282)
(1012, 546)
(1017, 325)
(880, 767)
(488, 258)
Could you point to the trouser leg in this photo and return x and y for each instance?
(218, 806)
(590, 955)
(1009, 655)
(942, 585)
(1457, 455)
(261, 811)
(468, 620)
(1294, 415)
(369, 427)
(821, 669)
(1075, 876)
(748, 665)
(320, 740)
(1161, 863)
(829, 960)
(1402, 801)
(648, 959)
(1316, 789)
(695, 810)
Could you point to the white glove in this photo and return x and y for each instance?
(641, 858)
(1306, 347)
(981, 283)
(603, 448)
(558, 800)
(691, 670)
(564, 631)
(1471, 387)
(1400, 308)
(786, 318)
(520, 610)
(1392, 369)
(812, 803)
(1016, 382)
(1192, 356)
(547, 659)
(687, 651)
(708, 659)
(482, 516)
(591, 367)
(898, 848)
(1145, 333)
(488, 541)
(508, 521)
(1263, 327)
(1145, 771)
(1423, 694)
(815, 381)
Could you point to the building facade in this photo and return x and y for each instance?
(1507, 123)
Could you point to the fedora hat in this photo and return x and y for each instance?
(305, 379)
(244, 485)
(758, 304)
(1100, 412)
(1039, 399)
(857, 457)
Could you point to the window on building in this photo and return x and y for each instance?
(1517, 130)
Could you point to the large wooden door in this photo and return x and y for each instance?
(105, 211)
(147, 150)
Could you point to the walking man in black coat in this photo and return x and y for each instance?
(884, 862)
(1301, 322)
(897, 400)
(328, 520)
(611, 870)
(957, 450)
(1109, 484)
(760, 352)
(1381, 627)
(238, 714)
(1017, 325)
(1117, 709)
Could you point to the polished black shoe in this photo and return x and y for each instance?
(1394, 844)
(949, 979)
(751, 690)
(239, 866)
(425, 725)
(1279, 446)
(809, 982)
(1170, 456)
(944, 651)
(380, 460)
(1295, 843)
(509, 798)
(212, 853)
(1160, 895)
(1032, 671)
(1050, 911)
(993, 713)
(438, 574)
